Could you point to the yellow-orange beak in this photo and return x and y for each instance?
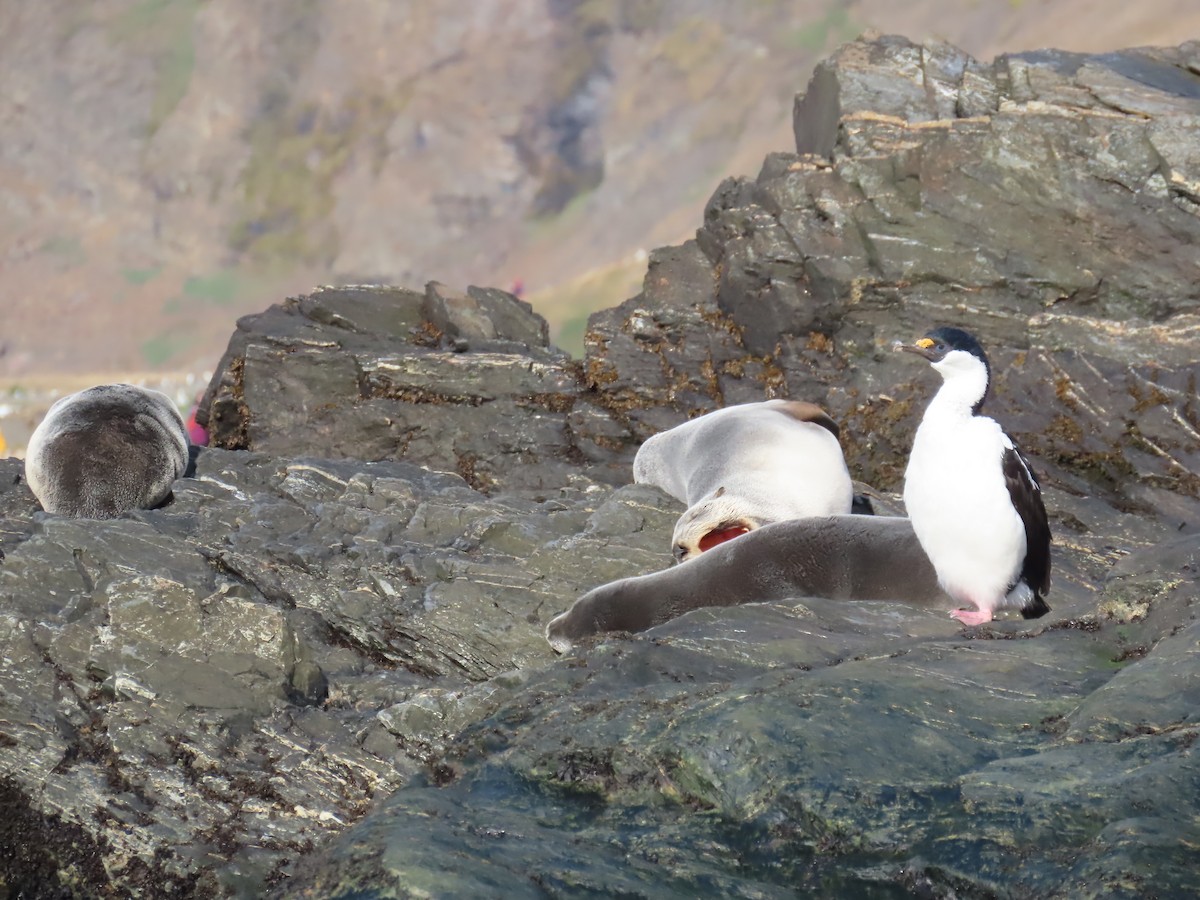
(923, 347)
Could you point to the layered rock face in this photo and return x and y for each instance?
(464, 383)
(320, 669)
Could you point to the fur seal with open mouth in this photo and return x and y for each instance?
(745, 466)
(106, 450)
(845, 557)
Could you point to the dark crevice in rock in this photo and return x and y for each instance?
(253, 573)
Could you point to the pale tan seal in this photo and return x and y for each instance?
(745, 466)
(839, 557)
(106, 450)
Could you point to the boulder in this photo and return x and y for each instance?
(462, 383)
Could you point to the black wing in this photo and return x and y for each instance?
(1026, 496)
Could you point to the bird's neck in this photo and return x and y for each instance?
(958, 395)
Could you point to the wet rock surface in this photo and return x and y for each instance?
(215, 687)
(319, 669)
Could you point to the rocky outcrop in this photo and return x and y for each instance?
(1047, 202)
(808, 748)
(463, 383)
(320, 668)
(211, 689)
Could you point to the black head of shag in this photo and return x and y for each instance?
(939, 343)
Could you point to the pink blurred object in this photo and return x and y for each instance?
(196, 434)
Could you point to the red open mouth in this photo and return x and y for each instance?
(720, 536)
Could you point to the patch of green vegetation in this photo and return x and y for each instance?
(380, 111)
(567, 306)
(174, 76)
(691, 43)
(294, 158)
(163, 29)
(625, 15)
(641, 15)
(596, 13)
(582, 53)
(299, 149)
(68, 251)
(579, 55)
(697, 49)
(288, 184)
(138, 19)
(569, 335)
(141, 276)
(165, 347)
(220, 288)
(835, 27)
(548, 224)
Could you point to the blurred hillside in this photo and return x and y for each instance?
(168, 165)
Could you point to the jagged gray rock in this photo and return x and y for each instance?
(463, 383)
(236, 676)
(320, 668)
(818, 747)
(1056, 225)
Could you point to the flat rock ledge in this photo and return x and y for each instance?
(319, 669)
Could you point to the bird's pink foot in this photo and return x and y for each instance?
(971, 616)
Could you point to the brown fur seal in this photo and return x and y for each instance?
(745, 466)
(106, 450)
(840, 557)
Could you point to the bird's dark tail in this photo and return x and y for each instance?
(1035, 608)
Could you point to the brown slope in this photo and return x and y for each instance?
(168, 166)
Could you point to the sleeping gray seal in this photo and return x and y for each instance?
(106, 450)
(744, 466)
(840, 557)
